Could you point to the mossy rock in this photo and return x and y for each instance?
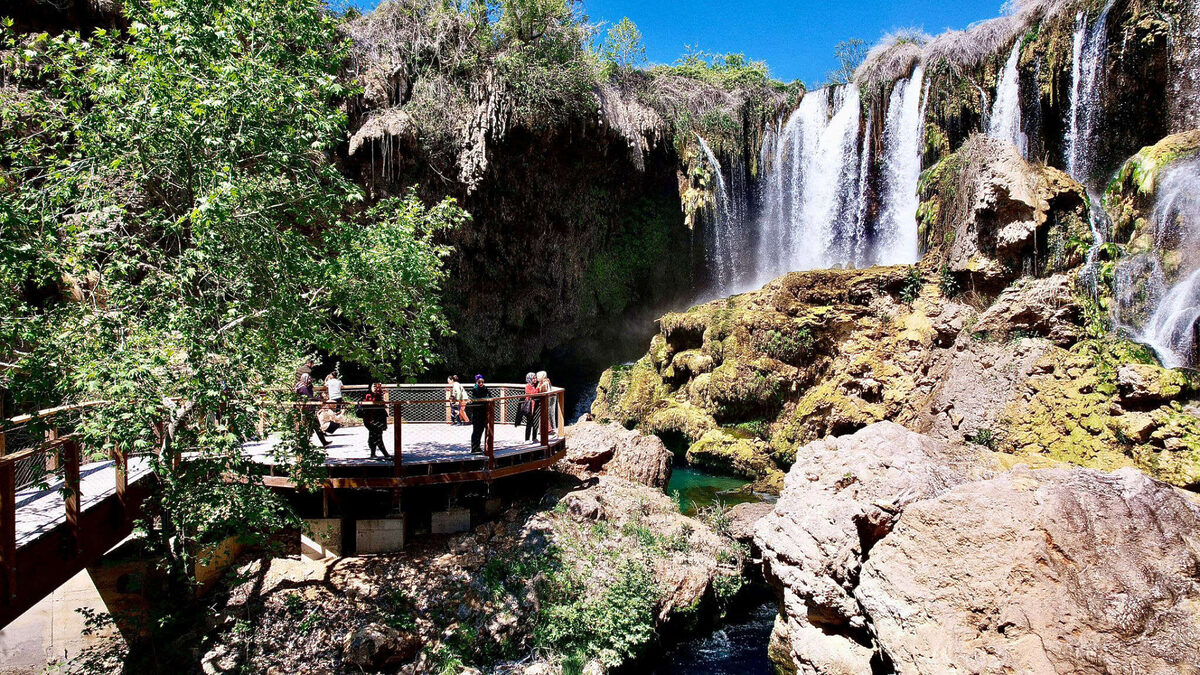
(1129, 197)
(680, 419)
(731, 452)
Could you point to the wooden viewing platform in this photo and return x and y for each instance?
(61, 511)
(432, 451)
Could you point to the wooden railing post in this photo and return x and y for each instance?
(71, 499)
(545, 421)
(491, 434)
(562, 404)
(8, 533)
(51, 458)
(121, 465)
(397, 436)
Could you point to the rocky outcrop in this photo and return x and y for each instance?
(1052, 570)
(892, 548)
(745, 382)
(842, 497)
(1031, 307)
(377, 646)
(989, 216)
(611, 450)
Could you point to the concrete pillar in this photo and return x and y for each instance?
(450, 521)
(384, 535)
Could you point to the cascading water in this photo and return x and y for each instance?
(810, 201)
(723, 239)
(1172, 328)
(817, 168)
(896, 233)
(985, 109)
(1090, 51)
(1006, 124)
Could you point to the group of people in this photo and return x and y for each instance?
(329, 417)
(474, 400)
(467, 406)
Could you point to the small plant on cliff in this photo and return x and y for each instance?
(716, 516)
(788, 348)
(984, 437)
(913, 282)
(949, 284)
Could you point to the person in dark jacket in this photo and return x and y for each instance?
(479, 418)
(374, 417)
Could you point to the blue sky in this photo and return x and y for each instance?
(795, 38)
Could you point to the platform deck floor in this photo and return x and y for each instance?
(422, 444)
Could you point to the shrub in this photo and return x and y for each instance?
(612, 627)
(949, 284)
(911, 289)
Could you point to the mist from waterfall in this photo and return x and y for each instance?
(1171, 329)
(1005, 121)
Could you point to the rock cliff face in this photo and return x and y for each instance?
(896, 551)
(583, 192)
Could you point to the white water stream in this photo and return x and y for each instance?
(1005, 121)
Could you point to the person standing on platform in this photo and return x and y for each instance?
(479, 417)
(525, 412)
(374, 417)
(458, 402)
(308, 413)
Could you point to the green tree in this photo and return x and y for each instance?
(849, 54)
(529, 20)
(174, 235)
(623, 48)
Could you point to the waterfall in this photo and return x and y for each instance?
(902, 135)
(1090, 50)
(723, 239)
(1006, 115)
(1171, 329)
(985, 113)
(810, 211)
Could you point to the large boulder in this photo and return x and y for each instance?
(1143, 384)
(611, 450)
(1040, 571)
(1035, 307)
(841, 496)
(990, 216)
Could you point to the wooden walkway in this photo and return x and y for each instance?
(41, 510)
(49, 531)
